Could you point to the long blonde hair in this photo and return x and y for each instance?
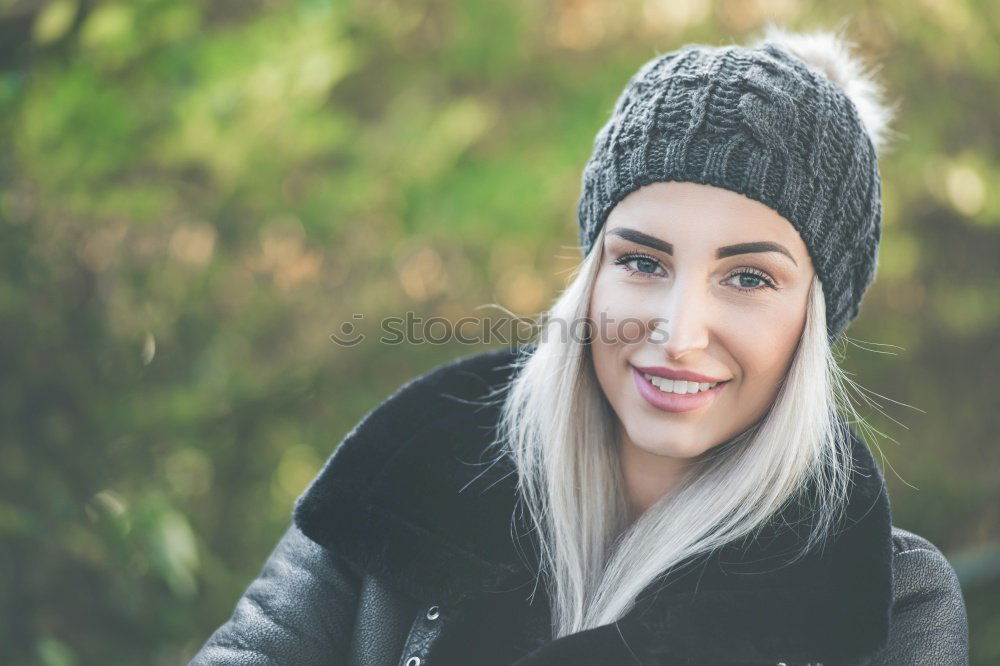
(560, 432)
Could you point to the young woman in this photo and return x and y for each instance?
(679, 480)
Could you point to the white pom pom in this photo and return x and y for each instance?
(830, 53)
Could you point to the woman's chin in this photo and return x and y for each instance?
(668, 442)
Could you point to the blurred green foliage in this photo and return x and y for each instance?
(194, 195)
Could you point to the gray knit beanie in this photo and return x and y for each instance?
(762, 122)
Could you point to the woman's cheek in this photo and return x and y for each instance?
(762, 341)
(603, 307)
(621, 315)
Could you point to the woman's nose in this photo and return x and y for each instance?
(684, 324)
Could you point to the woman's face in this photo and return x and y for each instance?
(697, 283)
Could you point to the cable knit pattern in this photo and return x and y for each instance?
(760, 122)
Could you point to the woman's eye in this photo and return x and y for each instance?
(639, 264)
(751, 280)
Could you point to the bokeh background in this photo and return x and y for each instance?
(195, 194)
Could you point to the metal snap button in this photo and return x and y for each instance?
(433, 613)
(413, 661)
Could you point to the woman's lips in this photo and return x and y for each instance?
(673, 402)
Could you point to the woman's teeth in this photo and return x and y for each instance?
(679, 387)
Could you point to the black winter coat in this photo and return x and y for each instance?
(401, 553)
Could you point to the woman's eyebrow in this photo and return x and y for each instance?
(746, 248)
(637, 236)
(641, 238)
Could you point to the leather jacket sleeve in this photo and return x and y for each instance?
(929, 623)
(299, 610)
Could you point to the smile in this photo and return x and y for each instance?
(675, 395)
(677, 386)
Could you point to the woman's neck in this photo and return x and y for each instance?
(647, 476)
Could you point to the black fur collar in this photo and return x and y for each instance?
(410, 495)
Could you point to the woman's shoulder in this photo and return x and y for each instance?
(458, 396)
(928, 611)
(416, 491)
(921, 570)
